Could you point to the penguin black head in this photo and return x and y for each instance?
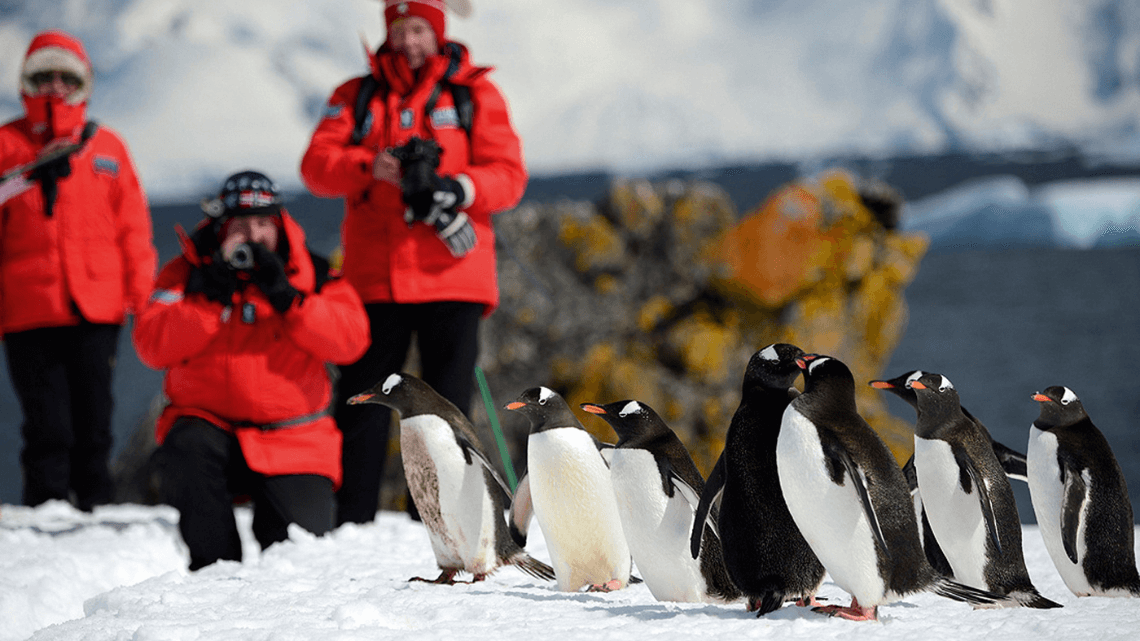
(545, 409)
(824, 373)
(407, 395)
(632, 421)
(898, 386)
(1060, 407)
(937, 399)
(773, 367)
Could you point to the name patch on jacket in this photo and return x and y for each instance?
(445, 117)
(332, 111)
(106, 165)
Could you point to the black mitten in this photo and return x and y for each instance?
(269, 274)
(214, 279)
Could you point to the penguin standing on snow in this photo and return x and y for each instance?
(657, 486)
(1081, 499)
(764, 552)
(568, 486)
(968, 498)
(849, 498)
(454, 486)
(1012, 461)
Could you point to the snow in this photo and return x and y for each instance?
(120, 574)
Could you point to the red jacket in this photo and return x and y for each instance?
(95, 252)
(383, 258)
(240, 375)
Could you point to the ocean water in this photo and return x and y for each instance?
(1002, 325)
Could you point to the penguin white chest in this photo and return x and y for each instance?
(955, 516)
(656, 528)
(1046, 491)
(830, 516)
(450, 494)
(574, 503)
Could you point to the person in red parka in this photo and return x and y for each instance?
(76, 256)
(418, 244)
(244, 323)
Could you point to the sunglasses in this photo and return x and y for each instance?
(41, 78)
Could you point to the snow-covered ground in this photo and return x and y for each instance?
(120, 574)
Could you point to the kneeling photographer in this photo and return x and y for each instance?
(244, 323)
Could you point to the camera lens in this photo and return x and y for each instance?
(241, 257)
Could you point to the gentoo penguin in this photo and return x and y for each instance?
(1011, 460)
(968, 498)
(764, 552)
(1080, 499)
(849, 498)
(569, 489)
(453, 485)
(657, 486)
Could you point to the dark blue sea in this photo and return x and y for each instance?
(999, 324)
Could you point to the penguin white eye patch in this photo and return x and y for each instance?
(1068, 397)
(816, 363)
(946, 384)
(544, 394)
(769, 353)
(631, 407)
(390, 382)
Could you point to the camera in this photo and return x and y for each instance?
(419, 159)
(241, 257)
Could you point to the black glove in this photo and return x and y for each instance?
(48, 175)
(269, 274)
(214, 279)
(435, 202)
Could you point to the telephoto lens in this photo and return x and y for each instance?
(241, 257)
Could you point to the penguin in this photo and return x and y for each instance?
(968, 497)
(454, 486)
(764, 552)
(657, 486)
(1081, 500)
(849, 499)
(1011, 460)
(568, 487)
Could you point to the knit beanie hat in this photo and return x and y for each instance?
(430, 10)
(57, 51)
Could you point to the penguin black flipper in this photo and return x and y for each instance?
(714, 487)
(839, 461)
(522, 508)
(911, 475)
(1012, 461)
(1073, 497)
(472, 453)
(970, 476)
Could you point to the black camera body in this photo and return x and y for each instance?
(419, 159)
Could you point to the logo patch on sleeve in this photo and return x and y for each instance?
(106, 165)
(332, 111)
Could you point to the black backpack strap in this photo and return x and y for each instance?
(368, 87)
(461, 95)
(320, 271)
(89, 130)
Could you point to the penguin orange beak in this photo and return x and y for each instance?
(881, 385)
(916, 385)
(593, 409)
(361, 398)
(515, 405)
(1041, 398)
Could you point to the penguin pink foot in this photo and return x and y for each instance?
(608, 586)
(853, 612)
(446, 577)
(810, 602)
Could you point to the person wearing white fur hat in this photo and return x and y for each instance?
(76, 256)
(423, 163)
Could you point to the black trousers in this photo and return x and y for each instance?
(447, 337)
(62, 376)
(202, 470)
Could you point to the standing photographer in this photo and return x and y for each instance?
(244, 322)
(418, 241)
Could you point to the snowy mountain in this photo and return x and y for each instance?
(201, 88)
